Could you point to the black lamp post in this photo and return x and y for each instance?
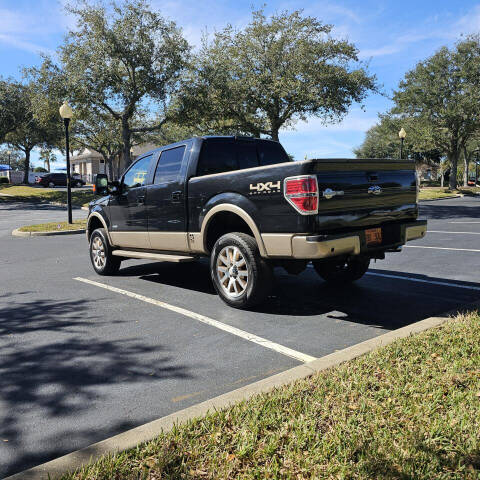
(66, 113)
(476, 167)
(9, 152)
(402, 134)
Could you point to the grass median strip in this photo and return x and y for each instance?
(409, 410)
(434, 193)
(55, 226)
(19, 193)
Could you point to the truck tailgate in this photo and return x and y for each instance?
(357, 193)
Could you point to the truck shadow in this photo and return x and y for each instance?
(441, 211)
(374, 300)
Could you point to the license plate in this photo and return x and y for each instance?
(373, 236)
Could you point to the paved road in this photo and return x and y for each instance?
(14, 215)
(80, 362)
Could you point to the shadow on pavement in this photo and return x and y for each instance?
(436, 211)
(62, 376)
(388, 303)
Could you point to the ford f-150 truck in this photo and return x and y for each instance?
(244, 203)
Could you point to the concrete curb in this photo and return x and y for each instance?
(18, 233)
(148, 431)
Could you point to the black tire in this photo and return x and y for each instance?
(110, 264)
(235, 290)
(340, 271)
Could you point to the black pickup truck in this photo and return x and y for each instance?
(245, 204)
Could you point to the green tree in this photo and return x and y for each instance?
(16, 158)
(48, 157)
(274, 72)
(12, 107)
(382, 141)
(32, 131)
(443, 92)
(121, 60)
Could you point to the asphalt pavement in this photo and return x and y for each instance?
(82, 361)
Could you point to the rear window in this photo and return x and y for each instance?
(224, 155)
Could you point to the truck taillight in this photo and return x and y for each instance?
(302, 193)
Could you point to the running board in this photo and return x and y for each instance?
(161, 257)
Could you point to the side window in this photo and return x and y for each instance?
(136, 176)
(217, 156)
(169, 165)
(271, 153)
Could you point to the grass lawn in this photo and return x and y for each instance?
(410, 410)
(55, 226)
(432, 193)
(34, 194)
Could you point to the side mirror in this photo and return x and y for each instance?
(100, 187)
(115, 187)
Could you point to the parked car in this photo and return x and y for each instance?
(58, 180)
(244, 203)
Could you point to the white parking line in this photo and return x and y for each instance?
(442, 231)
(302, 357)
(444, 248)
(419, 280)
(463, 222)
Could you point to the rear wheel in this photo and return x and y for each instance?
(339, 271)
(104, 263)
(240, 275)
(51, 184)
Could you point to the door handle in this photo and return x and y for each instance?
(141, 199)
(176, 196)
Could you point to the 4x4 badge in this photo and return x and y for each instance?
(267, 187)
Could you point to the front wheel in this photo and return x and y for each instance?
(240, 275)
(104, 263)
(340, 271)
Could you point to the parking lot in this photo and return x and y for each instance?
(85, 357)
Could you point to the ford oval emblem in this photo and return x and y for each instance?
(375, 190)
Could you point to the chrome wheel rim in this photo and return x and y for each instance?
(98, 252)
(232, 271)
(51, 184)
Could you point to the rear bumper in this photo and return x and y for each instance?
(352, 243)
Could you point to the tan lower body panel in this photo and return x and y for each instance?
(412, 233)
(290, 245)
(278, 244)
(130, 239)
(328, 248)
(170, 241)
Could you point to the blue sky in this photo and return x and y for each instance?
(392, 37)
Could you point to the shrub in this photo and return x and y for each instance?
(4, 180)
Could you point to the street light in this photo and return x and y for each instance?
(66, 113)
(476, 166)
(402, 134)
(9, 152)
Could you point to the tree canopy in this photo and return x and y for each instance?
(122, 60)
(274, 72)
(443, 94)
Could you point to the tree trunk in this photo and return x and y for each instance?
(26, 166)
(126, 142)
(466, 162)
(110, 167)
(275, 133)
(453, 158)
